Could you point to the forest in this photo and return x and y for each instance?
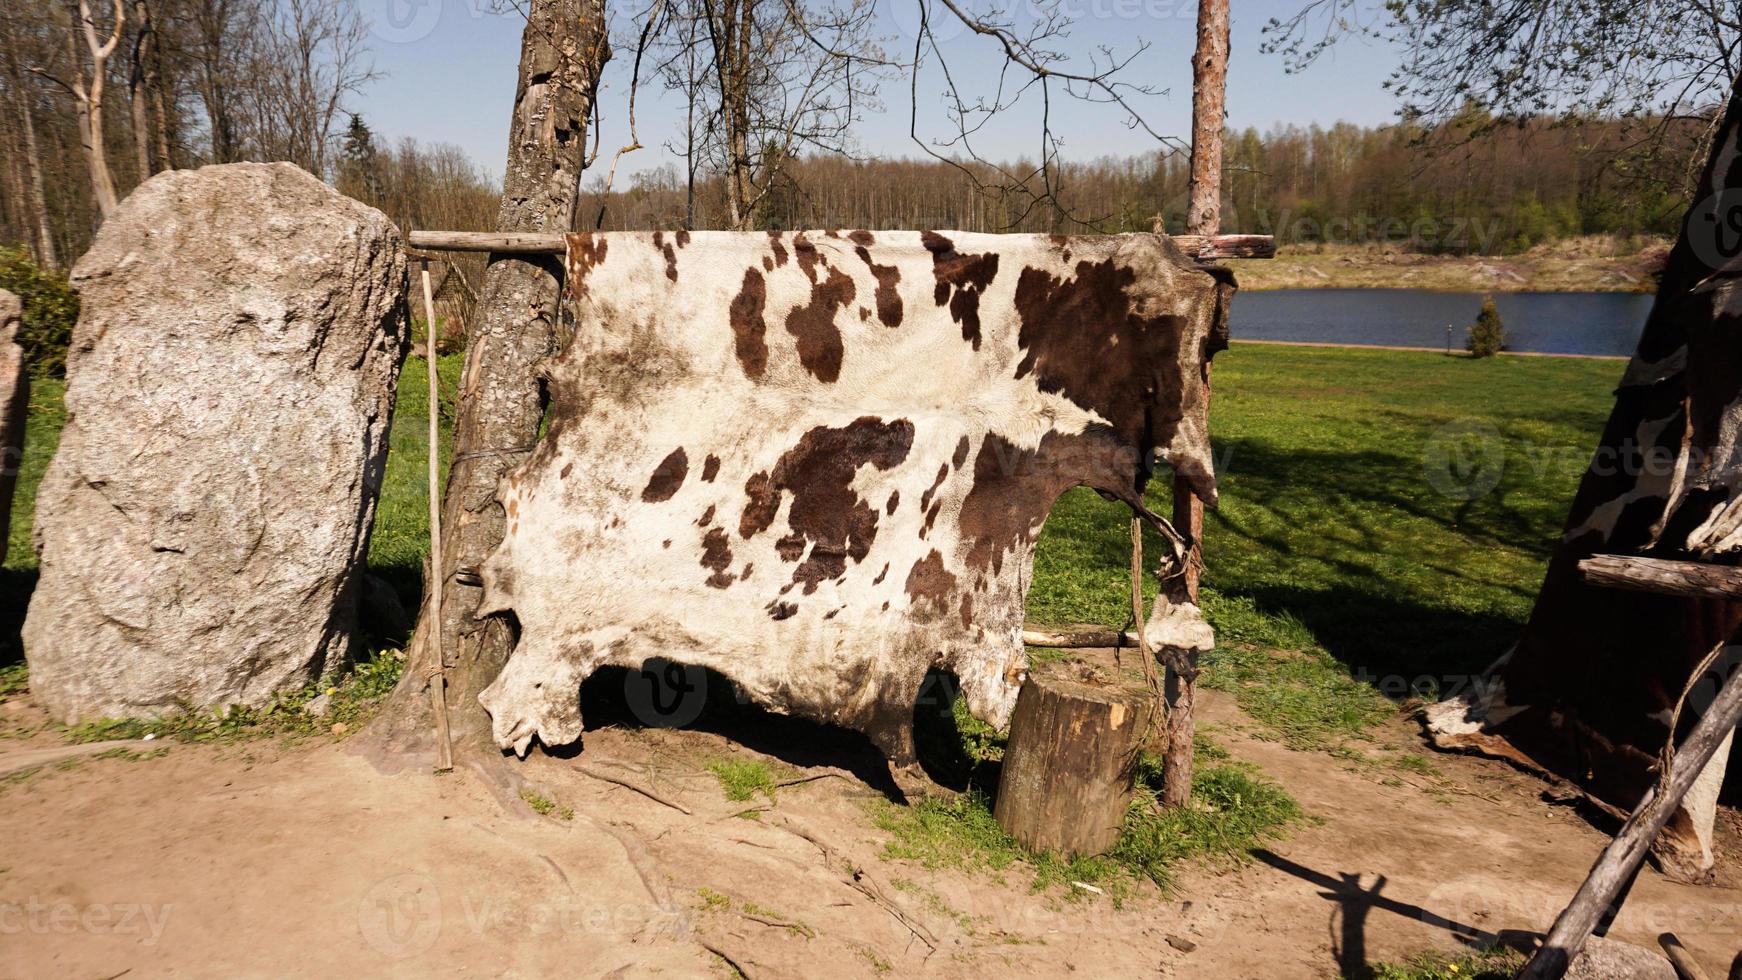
(96, 97)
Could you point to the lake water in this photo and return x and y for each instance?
(1548, 323)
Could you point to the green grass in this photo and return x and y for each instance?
(741, 779)
(1493, 964)
(1333, 545)
(544, 806)
(350, 701)
(1233, 811)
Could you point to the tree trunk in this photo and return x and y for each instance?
(501, 402)
(45, 251)
(1068, 769)
(1203, 217)
(137, 95)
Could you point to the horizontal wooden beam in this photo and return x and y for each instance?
(1201, 247)
(1683, 578)
(1070, 639)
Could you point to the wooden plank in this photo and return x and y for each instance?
(1621, 859)
(1202, 247)
(1681, 578)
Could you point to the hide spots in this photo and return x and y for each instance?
(862, 238)
(779, 250)
(826, 514)
(762, 503)
(585, 252)
(667, 477)
(894, 502)
(888, 276)
(747, 325)
(930, 585)
(780, 610)
(805, 253)
(706, 518)
(1113, 371)
(960, 456)
(670, 253)
(717, 557)
(710, 468)
(568, 468)
(1007, 503)
(961, 279)
(683, 237)
(931, 491)
(879, 579)
(813, 326)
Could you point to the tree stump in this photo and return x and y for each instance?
(1070, 762)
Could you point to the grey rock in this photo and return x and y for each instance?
(14, 405)
(203, 524)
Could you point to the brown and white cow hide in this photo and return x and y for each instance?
(817, 462)
(1590, 688)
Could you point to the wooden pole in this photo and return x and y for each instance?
(1685, 966)
(1201, 247)
(1621, 859)
(1203, 219)
(1680, 578)
(437, 674)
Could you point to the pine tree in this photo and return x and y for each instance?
(1488, 336)
(359, 169)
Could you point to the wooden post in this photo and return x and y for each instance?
(437, 675)
(1203, 218)
(1070, 762)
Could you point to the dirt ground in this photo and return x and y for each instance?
(257, 858)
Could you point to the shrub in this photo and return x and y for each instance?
(1488, 336)
(50, 309)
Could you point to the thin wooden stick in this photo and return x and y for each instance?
(437, 671)
(1621, 859)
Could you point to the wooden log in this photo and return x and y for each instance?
(1070, 762)
(1201, 247)
(1686, 968)
(1681, 578)
(1621, 859)
(1075, 638)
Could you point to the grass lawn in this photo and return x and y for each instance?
(1335, 538)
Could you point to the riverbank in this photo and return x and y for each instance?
(1592, 263)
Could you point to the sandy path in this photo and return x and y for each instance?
(257, 860)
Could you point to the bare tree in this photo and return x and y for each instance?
(87, 83)
(766, 80)
(312, 56)
(563, 50)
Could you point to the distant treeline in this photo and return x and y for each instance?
(1423, 190)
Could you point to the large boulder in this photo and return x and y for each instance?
(14, 405)
(203, 524)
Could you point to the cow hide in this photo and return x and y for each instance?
(817, 462)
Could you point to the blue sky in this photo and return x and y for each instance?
(448, 73)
